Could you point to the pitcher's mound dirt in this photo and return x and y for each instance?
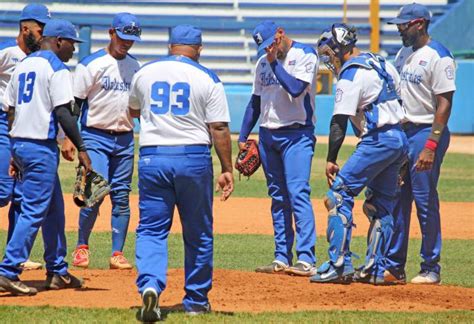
(248, 292)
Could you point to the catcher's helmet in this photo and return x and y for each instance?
(339, 35)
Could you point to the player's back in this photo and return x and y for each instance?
(40, 83)
(178, 98)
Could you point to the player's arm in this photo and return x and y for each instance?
(292, 85)
(337, 133)
(10, 116)
(441, 118)
(220, 134)
(68, 150)
(68, 122)
(252, 112)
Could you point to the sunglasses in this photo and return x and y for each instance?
(130, 30)
(410, 23)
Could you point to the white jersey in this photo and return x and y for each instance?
(10, 55)
(425, 73)
(362, 94)
(40, 83)
(177, 97)
(105, 82)
(278, 107)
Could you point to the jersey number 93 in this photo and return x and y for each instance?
(166, 97)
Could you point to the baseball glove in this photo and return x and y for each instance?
(248, 159)
(90, 188)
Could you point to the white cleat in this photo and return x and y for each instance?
(427, 278)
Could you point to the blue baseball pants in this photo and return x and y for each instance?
(179, 176)
(286, 156)
(421, 187)
(42, 205)
(112, 157)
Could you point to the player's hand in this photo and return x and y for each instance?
(85, 161)
(225, 185)
(242, 146)
(425, 160)
(68, 150)
(13, 169)
(331, 171)
(271, 52)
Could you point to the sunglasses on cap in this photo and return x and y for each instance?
(130, 30)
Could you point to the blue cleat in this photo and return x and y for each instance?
(328, 273)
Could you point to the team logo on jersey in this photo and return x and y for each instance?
(15, 60)
(292, 62)
(258, 38)
(114, 84)
(268, 79)
(422, 63)
(309, 67)
(449, 72)
(263, 64)
(339, 94)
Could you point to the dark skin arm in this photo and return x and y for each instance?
(68, 150)
(220, 134)
(443, 111)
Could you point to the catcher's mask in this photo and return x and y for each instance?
(332, 44)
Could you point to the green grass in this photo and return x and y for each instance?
(456, 182)
(15, 314)
(245, 252)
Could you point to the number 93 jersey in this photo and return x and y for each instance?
(177, 97)
(40, 83)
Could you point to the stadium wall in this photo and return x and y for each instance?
(461, 121)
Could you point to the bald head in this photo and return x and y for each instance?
(191, 51)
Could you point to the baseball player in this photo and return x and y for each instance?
(183, 111)
(101, 84)
(32, 20)
(40, 95)
(366, 95)
(283, 98)
(427, 71)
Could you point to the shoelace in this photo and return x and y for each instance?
(120, 259)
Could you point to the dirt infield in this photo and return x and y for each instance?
(229, 219)
(237, 291)
(253, 293)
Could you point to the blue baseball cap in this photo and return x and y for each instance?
(35, 11)
(411, 12)
(127, 26)
(264, 34)
(186, 35)
(61, 28)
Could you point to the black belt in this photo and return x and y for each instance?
(106, 131)
(409, 125)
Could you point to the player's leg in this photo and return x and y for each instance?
(156, 202)
(297, 153)
(39, 167)
(194, 200)
(120, 178)
(6, 182)
(98, 148)
(427, 205)
(273, 167)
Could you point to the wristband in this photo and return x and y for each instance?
(82, 148)
(436, 131)
(431, 145)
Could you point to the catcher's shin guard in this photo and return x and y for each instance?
(379, 235)
(338, 224)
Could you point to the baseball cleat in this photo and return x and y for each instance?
(81, 256)
(395, 277)
(16, 287)
(150, 311)
(55, 281)
(328, 273)
(426, 277)
(31, 265)
(276, 267)
(301, 268)
(368, 278)
(203, 310)
(118, 261)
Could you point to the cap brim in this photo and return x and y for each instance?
(128, 37)
(40, 20)
(397, 21)
(265, 44)
(77, 40)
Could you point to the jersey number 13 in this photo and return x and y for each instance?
(25, 90)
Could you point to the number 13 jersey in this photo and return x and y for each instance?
(177, 97)
(40, 83)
